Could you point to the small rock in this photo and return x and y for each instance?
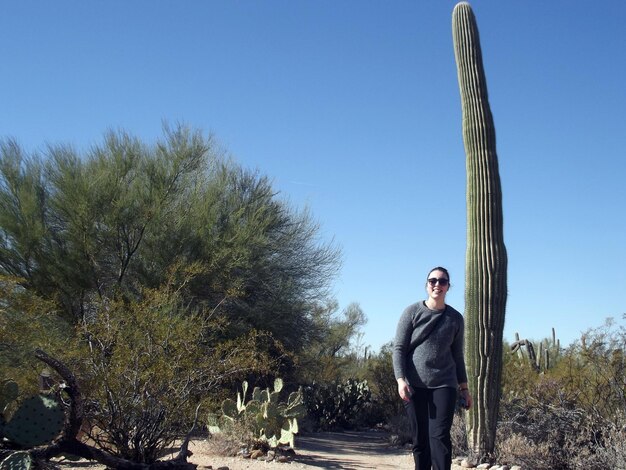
(245, 453)
(256, 454)
(270, 456)
(516, 467)
(466, 463)
(289, 451)
(282, 459)
(484, 466)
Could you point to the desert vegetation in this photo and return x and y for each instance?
(169, 280)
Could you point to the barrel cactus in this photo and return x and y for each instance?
(486, 258)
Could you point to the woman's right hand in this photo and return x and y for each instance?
(404, 389)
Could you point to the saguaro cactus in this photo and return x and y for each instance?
(486, 260)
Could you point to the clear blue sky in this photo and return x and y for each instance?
(352, 107)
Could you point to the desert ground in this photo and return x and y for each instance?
(345, 450)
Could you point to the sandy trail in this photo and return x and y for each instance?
(349, 450)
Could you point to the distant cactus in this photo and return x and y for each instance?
(273, 422)
(545, 358)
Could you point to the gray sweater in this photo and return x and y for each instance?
(428, 349)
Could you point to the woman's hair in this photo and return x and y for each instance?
(439, 268)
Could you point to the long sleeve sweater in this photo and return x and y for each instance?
(428, 348)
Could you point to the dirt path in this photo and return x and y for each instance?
(346, 451)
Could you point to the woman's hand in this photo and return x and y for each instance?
(467, 397)
(404, 389)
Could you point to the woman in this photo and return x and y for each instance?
(429, 367)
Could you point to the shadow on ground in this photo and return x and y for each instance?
(350, 451)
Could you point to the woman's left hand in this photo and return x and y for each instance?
(467, 396)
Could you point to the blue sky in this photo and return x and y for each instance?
(352, 108)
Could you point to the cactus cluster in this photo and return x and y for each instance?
(542, 359)
(273, 422)
(37, 419)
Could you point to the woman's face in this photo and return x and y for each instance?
(437, 284)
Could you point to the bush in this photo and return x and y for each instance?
(383, 385)
(571, 415)
(343, 405)
(149, 363)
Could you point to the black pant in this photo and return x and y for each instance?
(430, 413)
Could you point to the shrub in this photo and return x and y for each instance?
(571, 415)
(342, 405)
(149, 363)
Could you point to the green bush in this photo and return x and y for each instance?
(342, 405)
(149, 363)
(570, 415)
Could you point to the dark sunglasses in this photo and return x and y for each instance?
(441, 280)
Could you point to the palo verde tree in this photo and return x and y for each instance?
(180, 271)
(486, 259)
(81, 228)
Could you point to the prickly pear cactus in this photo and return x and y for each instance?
(38, 420)
(17, 461)
(272, 422)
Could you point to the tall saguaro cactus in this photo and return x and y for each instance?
(486, 260)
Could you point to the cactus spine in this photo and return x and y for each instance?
(486, 259)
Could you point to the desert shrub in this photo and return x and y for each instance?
(571, 415)
(458, 434)
(544, 417)
(27, 322)
(342, 405)
(609, 453)
(383, 385)
(149, 363)
(516, 449)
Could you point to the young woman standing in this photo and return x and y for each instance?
(429, 368)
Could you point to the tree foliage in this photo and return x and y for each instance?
(79, 228)
(332, 355)
(162, 274)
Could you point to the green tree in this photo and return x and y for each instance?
(177, 273)
(82, 228)
(330, 357)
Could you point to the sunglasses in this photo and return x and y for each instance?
(441, 280)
